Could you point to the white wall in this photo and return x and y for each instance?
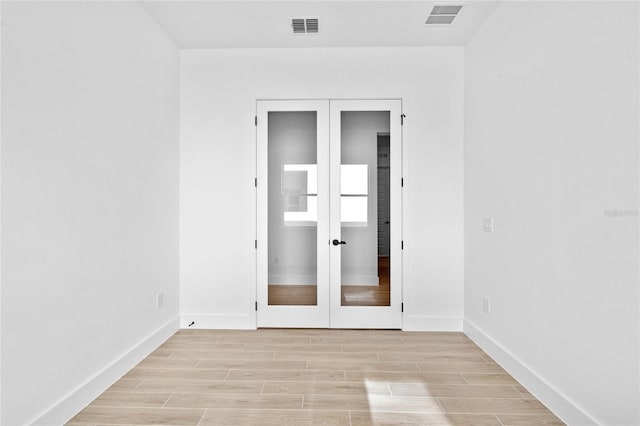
(89, 200)
(217, 165)
(551, 153)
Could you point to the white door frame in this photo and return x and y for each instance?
(328, 312)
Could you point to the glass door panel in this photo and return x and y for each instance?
(293, 208)
(361, 283)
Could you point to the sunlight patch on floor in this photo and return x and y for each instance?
(413, 404)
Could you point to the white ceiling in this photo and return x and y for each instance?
(355, 23)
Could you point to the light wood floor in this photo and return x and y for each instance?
(316, 377)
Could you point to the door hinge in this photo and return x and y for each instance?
(255, 182)
(256, 306)
(402, 182)
(255, 244)
(402, 116)
(402, 307)
(402, 245)
(255, 120)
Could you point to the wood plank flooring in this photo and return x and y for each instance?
(316, 377)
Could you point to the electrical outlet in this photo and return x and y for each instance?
(159, 300)
(486, 304)
(487, 224)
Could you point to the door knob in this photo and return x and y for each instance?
(336, 242)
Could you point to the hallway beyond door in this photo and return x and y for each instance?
(352, 295)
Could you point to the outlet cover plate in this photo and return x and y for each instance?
(486, 305)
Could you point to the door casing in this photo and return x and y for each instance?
(328, 312)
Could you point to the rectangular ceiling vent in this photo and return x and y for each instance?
(305, 25)
(443, 15)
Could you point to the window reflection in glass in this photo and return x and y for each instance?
(354, 191)
(300, 193)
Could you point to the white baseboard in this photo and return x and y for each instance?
(293, 279)
(364, 280)
(218, 321)
(431, 323)
(67, 407)
(556, 401)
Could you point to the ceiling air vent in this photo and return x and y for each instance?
(443, 15)
(305, 25)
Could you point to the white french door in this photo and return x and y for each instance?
(329, 214)
(365, 285)
(292, 214)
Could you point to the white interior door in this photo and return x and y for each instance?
(293, 214)
(366, 288)
(319, 253)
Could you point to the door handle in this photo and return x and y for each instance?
(336, 242)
